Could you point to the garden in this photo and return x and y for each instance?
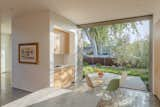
(126, 43)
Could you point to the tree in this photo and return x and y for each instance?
(135, 53)
(115, 39)
(119, 38)
(97, 36)
(92, 41)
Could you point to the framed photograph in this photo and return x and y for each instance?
(28, 53)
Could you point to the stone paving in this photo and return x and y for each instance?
(132, 82)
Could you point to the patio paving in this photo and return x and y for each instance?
(132, 82)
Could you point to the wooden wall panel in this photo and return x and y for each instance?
(156, 58)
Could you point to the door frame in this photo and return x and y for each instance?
(132, 19)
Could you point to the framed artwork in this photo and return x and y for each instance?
(28, 53)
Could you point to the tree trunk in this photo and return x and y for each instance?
(93, 43)
(94, 46)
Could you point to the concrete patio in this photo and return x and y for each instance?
(132, 82)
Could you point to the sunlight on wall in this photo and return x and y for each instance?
(75, 31)
(6, 44)
(51, 59)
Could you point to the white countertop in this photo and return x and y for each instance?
(62, 66)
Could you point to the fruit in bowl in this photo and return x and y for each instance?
(100, 74)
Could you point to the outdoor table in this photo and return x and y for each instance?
(105, 79)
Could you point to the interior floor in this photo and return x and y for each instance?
(91, 99)
(76, 98)
(9, 94)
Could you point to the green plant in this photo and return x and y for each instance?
(98, 65)
(85, 63)
(144, 77)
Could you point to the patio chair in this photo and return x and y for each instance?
(123, 78)
(93, 83)
(110, 91)
(122, 81)
(113, 85)
(89, 82)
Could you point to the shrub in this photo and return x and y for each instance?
(144, 77)
(128, 65)
(99, 65)
(88, 69)
(85, 63)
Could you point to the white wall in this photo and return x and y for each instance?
(60, 21)
(59, 59)
(31, 27)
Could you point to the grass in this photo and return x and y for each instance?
(142, 73)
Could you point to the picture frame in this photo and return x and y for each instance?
(28, 53)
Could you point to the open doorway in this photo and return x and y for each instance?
(119, 46)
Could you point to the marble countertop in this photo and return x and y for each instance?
(62, 66)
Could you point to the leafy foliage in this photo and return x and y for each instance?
(115, 40)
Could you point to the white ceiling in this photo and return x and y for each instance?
(82, 11)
